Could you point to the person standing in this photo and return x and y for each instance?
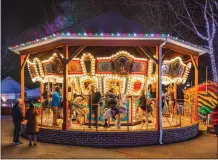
(55, 104)
(32, 128)
(214, 117)
(46, 95)
(17, 116)
(94, 99)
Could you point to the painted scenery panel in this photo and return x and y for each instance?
(104, 67)
(53, 67)
(74, 67)
(166, 69)
(139, 67)
(48, 68)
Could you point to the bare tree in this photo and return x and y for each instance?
(190, 18)
(6, 64)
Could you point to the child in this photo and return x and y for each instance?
(214, 117)
(32, 125)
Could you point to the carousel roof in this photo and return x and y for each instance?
(109, 23)
(107, 30)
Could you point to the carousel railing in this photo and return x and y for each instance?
(130, 121)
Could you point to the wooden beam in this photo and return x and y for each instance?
(59, 55)
(188, 61)
(145, 51)
(65, 125)
(75, 53)
(194, 62)
(23, 64)
(165, 53)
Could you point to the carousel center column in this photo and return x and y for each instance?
(65, 125)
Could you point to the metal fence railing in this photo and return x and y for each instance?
(134, 118)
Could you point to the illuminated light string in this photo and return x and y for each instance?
(37, 61)
(77, 88)
(166, 79)
(92, 59)
(151, 78)
(121, 35)
(120, 53)
(134, 79)
(114, 78)
(35, 69)
(94, 81)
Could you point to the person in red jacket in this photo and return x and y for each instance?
(214, 117)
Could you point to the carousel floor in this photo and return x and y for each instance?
(168, 122)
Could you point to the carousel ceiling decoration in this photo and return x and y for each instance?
(135, 85)
(53, 66)
(113, 36)
(32, 68)
(86, 81)
(173, 70)
(121, 63)
(88, 64)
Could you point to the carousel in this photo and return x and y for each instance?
(119, 81)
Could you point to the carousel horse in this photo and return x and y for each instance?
(114, 111)
(78, 109)
(146, 110)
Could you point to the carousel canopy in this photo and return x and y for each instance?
(107, 30)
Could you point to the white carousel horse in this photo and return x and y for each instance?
(120, 110)
(77, 111)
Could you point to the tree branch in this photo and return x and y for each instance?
(193, 25)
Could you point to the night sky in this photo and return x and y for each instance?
(17, 16)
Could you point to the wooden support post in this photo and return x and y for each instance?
(24, 61)
(41, 99)
(22, 90)
(175, 96)
(157, 125)
(195, 116)
(65, 125)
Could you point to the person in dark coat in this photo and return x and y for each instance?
(32, 125)
(17, 116)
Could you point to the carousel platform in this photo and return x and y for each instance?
(126, 136)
